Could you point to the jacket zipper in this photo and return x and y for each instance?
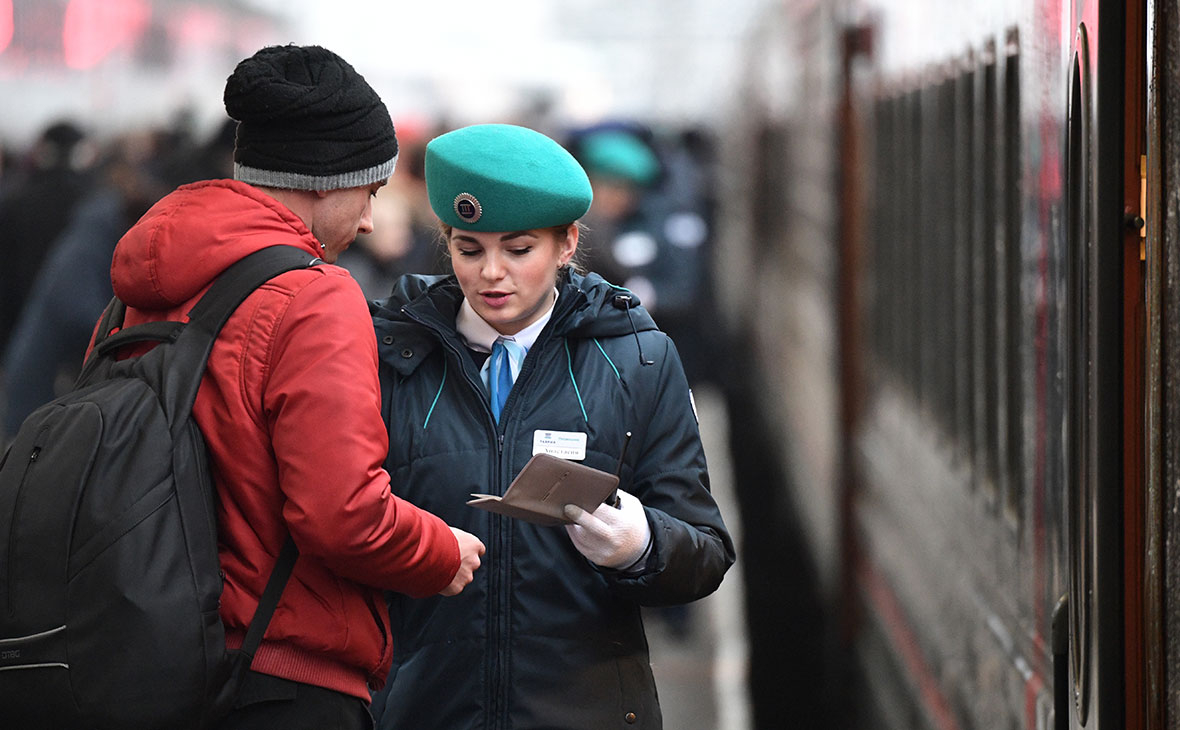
(499, 588)
(375, 610)
(502, 592)
(497, 584)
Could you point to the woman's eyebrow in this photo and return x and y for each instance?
(505, 237)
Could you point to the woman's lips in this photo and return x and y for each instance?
(495, 298)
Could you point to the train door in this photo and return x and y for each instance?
(1131, 204)
(1159, 242)
(1103, 682)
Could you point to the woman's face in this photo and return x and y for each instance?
(508, 278)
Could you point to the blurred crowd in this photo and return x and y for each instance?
(66, 199)
(64, 203)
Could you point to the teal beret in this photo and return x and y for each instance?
(620, 156)
(500, 177)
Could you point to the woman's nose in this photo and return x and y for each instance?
(493, 267)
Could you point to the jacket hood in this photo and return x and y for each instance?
(193, 234)
(587, 305)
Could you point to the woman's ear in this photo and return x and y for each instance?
(570, 244)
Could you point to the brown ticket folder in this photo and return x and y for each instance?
(544, 486)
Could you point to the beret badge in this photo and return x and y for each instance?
(467, 207)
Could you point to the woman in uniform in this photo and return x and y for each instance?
(517, 353)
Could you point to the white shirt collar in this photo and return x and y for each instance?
(480, 336)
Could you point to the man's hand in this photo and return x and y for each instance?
(470, 548)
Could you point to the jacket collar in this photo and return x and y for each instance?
(420, 314)
(480, 336)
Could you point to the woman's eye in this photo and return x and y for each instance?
(468, 252)
(521, 251)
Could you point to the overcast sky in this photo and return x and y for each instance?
(666, 58)
(464, 61)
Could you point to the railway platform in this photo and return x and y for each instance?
(701, 673)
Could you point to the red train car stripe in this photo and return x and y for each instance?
(905, 640)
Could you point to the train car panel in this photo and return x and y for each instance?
(973, 315)
(785, 197)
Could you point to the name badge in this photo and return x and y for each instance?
(562, 444)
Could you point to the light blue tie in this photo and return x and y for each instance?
(503, 367)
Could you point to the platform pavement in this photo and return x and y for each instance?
(701, 676)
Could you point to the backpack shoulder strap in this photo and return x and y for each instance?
(205, 321)
(269, 601)
(206, 318)
(112, 318)
(185, 358)
(237, 282)
(109, 337)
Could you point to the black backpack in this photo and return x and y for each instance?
(109, 575)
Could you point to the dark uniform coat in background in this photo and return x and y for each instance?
(542, 638)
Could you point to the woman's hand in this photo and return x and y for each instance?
(613, 537)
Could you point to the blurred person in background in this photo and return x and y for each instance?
(49, 339)
(405, 232)
(38, 194)
(649, 232)
(397, 246)
(410, 181)
(623, 169)
(5, 165)
(377, 259)
(650, 226)
(518, 353)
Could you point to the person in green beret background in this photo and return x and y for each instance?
(517, 353)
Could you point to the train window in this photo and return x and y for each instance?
(904, 177)
(1011, 298)
(946, 284)
(933, 235)
(895, 313)
(883, 231)
(769, 215)
(919, 242)
(943, 229)
(902, 312)
(988, 354)
(964, 247)
(910, 185)
(948, 218)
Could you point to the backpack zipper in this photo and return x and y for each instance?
(9, 565)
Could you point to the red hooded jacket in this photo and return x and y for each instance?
(290, 409)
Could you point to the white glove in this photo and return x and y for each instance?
(613, 537)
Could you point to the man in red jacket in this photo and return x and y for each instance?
(290, 405)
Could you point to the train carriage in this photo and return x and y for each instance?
(956, 243)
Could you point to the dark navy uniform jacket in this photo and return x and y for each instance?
(542, 638)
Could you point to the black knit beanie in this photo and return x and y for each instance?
(307, 121)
